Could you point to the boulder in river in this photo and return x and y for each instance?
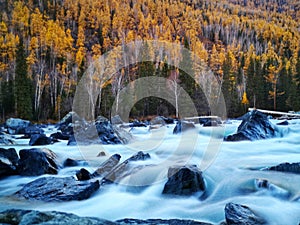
(8, 162)
(266, 187)
(184, 180)
(182, 126)
(123, 169)
(6, 140)
(102, 132)
(70, 163)
(255, 126)
(29, 217)
(35, 162)
(33, 129)
(160, 222)
(83, 174)
(39, 139)
(286, 167)
(58, 189)
(59, 136)
(236, 214)
(107, 166)
(16, 125)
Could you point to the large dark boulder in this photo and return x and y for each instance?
(39, 139)
(236, 214)
(33, 129)
(83, 174)
(182, 126)
(286, 167)
(60, 136)
(8, 162)
(255, 126)
(16, 125)
(70, 163)
(185, 180)
(70, 122)
(35, 162)
(70, 118)
(58, 189)
(101, 132)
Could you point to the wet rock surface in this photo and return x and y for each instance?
(8, 162)
(16, 125)
(124, 169)
(286, 167)
(36, 161)
(236, 214)
(185, 180)
(29, 217)
(255, 126)
(39, 139)
(58, 189)
(6, 140)
(182, 126)
(160, 222)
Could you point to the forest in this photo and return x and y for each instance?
(252, 46)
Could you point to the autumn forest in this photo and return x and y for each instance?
(252, 46)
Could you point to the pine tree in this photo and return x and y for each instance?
(23, 85)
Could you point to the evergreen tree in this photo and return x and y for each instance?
(229, 90)
(7, 100)
(23, 85)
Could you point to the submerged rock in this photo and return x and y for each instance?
(236, 214)
(16, 125)
(58, 189)
(255, 126)
(35, 162)
(271, 189)
(29, 217)
(182, 126)
(39, 139)
(185, 180)
(286, 167)
(283, 123)
(8, 162)
(160, 222)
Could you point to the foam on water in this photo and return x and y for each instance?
(230, 177)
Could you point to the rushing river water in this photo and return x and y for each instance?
(231, 170)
